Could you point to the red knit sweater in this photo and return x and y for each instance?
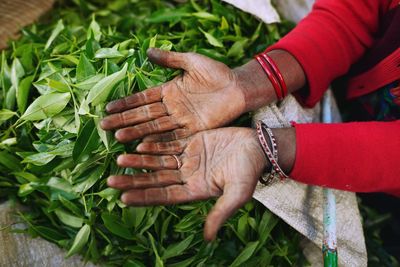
(360, 37)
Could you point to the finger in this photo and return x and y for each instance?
(162, 124)
(169, 59)
(167, 148)
(148, 96)
(134, 116)
(168, 136)
(145, 180)
(225, 206)
(149, 162)
(169, 195)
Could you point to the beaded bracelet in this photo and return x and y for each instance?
(277, 72)
(265, 180)
(272, 155)
(271, 77)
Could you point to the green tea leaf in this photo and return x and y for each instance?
(48, 233)
(87, 141)
(245, 254)
(26, 176)
(69, 59)
(115, 226)
(133, 263)
(85, 69)
(25, 190)
(17, 71)
(70, 206)
(39, 159)
(102, 89)
(6, 114)
(267, 223)
(23, 92)
(158, 261)
(57, 85)
(46, 106)
(10, 161)
(90, 82)
(60, 184)
(243, 227)
(80, 240)
(167, 16)
(69, 219)
(10, 98)
(89, 181)
(206, 15)
(108, 53)
(56, 31)
(94, 30)
(211, 39)
(177, 249)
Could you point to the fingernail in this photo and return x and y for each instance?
(103, 124)
(151, 50)
(109, 107)
(110, 181)
(119, 135)
(124, 198)
(139, 147)
(120, 159)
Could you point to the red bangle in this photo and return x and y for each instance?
(277, 72)
(271, 77)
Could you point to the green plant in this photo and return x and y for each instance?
(54, 158)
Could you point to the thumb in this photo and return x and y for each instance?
(168, 59)
(225, 206)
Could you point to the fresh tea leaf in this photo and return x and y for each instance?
(85, 69)
(87, 141)
(6, 114)
(23, 92)
(56, 31)
(102, 89)
(80, 240)
(46, 106)
(211, 39)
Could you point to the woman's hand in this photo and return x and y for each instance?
(224, 163)
(206, 96)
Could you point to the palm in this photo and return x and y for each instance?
(212, 162)
(205, 96)
(212, 166)
(196, 99)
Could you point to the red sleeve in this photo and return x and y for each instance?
(332, 37)
(357, 156)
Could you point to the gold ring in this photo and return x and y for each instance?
(178, 161)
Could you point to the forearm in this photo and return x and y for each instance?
(258, 90)
(357, 156)
(330, 39)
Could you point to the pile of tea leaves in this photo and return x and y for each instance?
(54, 158)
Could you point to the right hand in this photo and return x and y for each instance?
(224, 163)
(206, 96)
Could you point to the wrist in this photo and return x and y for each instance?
(260, 151)
(286, 146)
(286, 143)
(254, 85)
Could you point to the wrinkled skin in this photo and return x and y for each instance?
(224, 163)
(206, 96)
(175, 119)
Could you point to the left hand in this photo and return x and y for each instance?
(205, 96)
(224, 163)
